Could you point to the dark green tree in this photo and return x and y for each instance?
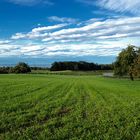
(136, 68)
(79, 66)
(125, 62)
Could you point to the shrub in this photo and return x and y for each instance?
(22, 68)
(4, 70)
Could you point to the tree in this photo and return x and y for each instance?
(125, 63)
(136, 68)
(4, 70)
(22, 68)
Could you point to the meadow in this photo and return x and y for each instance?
(51, 107)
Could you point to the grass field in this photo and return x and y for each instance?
(54, 107)
(69, 72)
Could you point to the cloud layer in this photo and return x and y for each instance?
(94, 37)
(62, 19)
(131, 6)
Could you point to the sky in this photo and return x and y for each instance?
(44, 31)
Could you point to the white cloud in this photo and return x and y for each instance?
(40, 29)
(62, 19)
(18, 36)
(37, 32)
(111, 28)
(131, 6)
(103, 48)
(102, 37)
(4, 42)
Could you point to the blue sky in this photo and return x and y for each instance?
(91, 30)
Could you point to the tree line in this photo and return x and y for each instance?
(57, 66)
(21, 67)
(79, 66)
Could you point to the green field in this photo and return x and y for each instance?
(50, 107)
